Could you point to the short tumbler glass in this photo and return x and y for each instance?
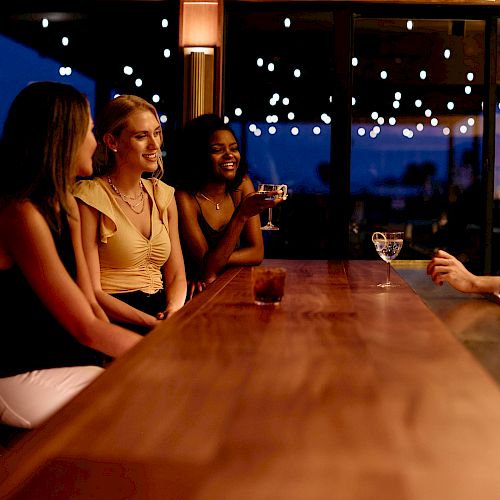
(268, 285)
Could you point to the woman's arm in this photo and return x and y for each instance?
(212, 261)
(28, 240)
(445, 267)
(116, 309)
(82, 271)
(174, 274)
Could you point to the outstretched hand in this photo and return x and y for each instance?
(445, 267)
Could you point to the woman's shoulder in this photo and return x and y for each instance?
(246, 185)
(20, 215)
(162, 192)
(93, 192)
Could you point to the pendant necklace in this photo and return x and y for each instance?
(126, 198)
(217, 205)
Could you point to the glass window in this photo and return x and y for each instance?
(277, 98)
(417, 134)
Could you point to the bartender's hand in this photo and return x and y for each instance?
(445, 267)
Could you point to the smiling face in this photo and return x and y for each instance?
(224, 155)
(139, 143)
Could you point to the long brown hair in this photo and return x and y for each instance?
(112, 120)
(45, 127)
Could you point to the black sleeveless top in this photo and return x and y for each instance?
(211, 235)
(30, 337)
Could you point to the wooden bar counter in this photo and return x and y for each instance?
(345, 391)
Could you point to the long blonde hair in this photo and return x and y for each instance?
(112, 120)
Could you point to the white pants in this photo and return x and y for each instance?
(28, 399)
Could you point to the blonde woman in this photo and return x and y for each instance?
(129, 218)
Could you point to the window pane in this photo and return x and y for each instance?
(277, 98)
(417, 134)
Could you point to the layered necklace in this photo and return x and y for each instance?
(131, 200)
(217, 205)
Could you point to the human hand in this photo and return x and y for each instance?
(445, 267)
(255, 203)
(195, 287)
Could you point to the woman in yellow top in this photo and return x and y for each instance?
(129, 223)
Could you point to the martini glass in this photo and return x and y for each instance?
(388, 245)
(282, 193)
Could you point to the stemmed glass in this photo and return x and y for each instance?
(282, 192)
(388, 245)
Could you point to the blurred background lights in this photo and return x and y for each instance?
(374, 115)
(470, 76)
(446, 131)
(450, 105)
(164, 23)
(291, 115)
(163, 118)
(272, 130)
(287, 22)
(380, 120)
(296, 73)
(408, 133)
(294, 131)
(269, 119)
(354, 61)
(316, 130)
(285, 101)
(463, 129)
(434, 122)
(156, 98)
(45, 22)
(270, 67)
(166, 53)
(471, 122)
(397, 96)
(468, 89)
(260, 62)
(383, 74)
(418, 103)
(423, 74)
(65, 41)
(65, 71)
(447, 53)
(257, 132)
(238, 111)
(252, 127)
(138, 82)
(226, 119)
(128, 70)
(392, 120)
(409, 24)
(361, 131)
(395, 104)
(428, 113)
(353, 101)
(326, 118)
(420, 127)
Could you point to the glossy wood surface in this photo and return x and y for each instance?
(345, 391)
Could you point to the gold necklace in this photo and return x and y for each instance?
(124, 197)
(217, 205)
